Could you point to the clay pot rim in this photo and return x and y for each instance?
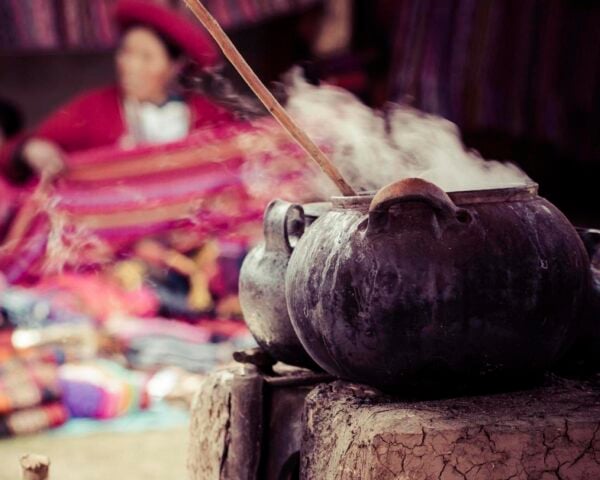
(316, 209)
(508, 193)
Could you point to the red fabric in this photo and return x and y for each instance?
(96, 296)
(215, 183)
(181, 31)
(95, 119)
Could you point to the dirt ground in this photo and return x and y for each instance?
(159, 455)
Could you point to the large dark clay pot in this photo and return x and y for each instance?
(583, 358)
(417, 288)
(262, 282)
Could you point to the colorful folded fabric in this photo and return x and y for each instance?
(30, 395)
(25, 384)
(95, 296)
(39, 307)
(154, 343)
(151, 352)
(33, 420)
(126, 330)
(102, 389)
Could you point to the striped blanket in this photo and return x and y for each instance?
(214, 183)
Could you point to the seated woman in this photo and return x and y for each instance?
(146, 106)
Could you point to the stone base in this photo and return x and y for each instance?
(247, 425)
(548, 433)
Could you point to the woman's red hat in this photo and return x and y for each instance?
(178, 29)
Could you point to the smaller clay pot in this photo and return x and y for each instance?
(262, 284)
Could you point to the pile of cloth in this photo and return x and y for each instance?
(127, 268)
(30, 396)
(102, 389)
(152, 344)
(81, 346)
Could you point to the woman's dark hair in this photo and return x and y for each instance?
(11, 119)
(218, 87)
(174, 51)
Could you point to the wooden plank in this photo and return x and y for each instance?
(226, 426)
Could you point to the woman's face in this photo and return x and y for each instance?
(144, 68)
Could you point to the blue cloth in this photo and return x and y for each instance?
(161, 416)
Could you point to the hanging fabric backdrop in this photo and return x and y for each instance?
(79, 24)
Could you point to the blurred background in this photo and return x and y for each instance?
(521, 79)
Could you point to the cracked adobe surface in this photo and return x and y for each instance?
(545, 433)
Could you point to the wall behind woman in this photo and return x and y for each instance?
(39, 83)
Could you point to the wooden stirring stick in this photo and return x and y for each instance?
(265, 96)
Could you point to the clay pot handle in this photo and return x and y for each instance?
(591, 240)
(280, 225)
(408, 191)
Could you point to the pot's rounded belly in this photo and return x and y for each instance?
(424, 303)
(262, 297)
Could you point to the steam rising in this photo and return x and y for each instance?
(373, 150)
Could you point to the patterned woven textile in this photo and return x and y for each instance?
(25, 384)
(86, 24)
(102, 389)
(215, 183)
(523, 68)
(32, 420)
(30, 394)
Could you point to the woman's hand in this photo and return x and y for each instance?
(44, 157)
